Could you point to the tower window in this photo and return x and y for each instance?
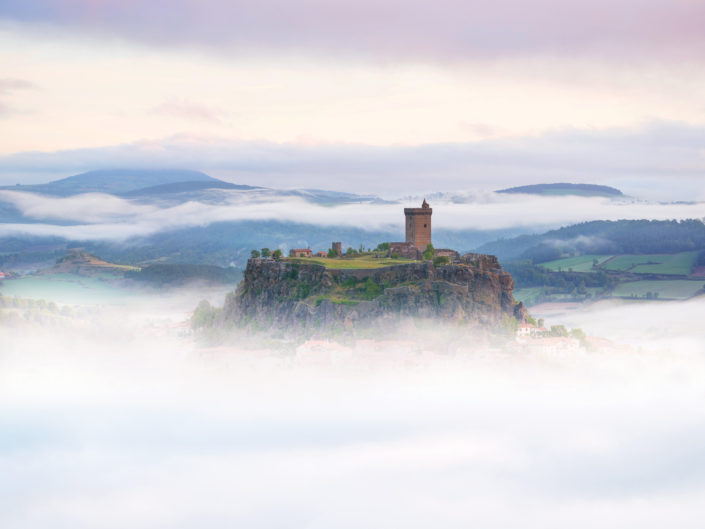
(424, 225)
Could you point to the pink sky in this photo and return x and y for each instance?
(552, 90)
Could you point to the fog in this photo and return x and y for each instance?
(97, 216)
(117, 416)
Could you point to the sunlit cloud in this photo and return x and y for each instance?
(444, 30)
(189, 111)
(661, 161)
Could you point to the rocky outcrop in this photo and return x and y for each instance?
(311, 298)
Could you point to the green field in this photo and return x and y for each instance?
(534, 295)
(668, 289)
(365, 262)
(582, 263)
(671, 264)
(528, 295)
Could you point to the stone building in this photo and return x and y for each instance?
(418, 233)
(301, 252)
(418, 225)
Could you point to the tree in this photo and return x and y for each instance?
(266, 252)
(277, 254)
(559, 330)
(254, 254)
(332, 252)
(382, 247)
(204, 315)
(428, 253)
(441, 260)
(372, 289)
(351, 251)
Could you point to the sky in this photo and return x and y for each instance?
(387, 98)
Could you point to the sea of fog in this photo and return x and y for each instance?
(118, 417)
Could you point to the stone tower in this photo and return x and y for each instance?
(418, 225)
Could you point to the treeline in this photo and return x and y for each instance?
(527, 275)
(603, 237)
(178, 274)
(700, 260)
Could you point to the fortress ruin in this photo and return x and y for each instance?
(418, 233)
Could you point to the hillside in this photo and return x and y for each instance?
(602, 237)
(309, 298)
(115, 181)
(584, 190)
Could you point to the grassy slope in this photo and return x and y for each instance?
(668, 264)
(670, 289)
(365, 262)
(582, 263)
(676, 264)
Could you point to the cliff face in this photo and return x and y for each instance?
(310, 298)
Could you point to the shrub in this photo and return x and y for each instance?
(428, 252)
(441, 260)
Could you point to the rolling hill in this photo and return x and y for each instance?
(116, 181)
(584, 190)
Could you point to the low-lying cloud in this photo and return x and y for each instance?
(115, 421)
(97, 216)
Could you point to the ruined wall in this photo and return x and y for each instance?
(407, 250)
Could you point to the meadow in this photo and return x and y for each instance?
(363, 263)
(668, 264)
(667, 289)
(582, 263)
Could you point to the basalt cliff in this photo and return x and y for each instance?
(310, 298)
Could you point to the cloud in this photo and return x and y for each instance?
(110, 420)
(104, 217)
(88, 207)
(190, 111)
(445, 30)
(8, 86)
(661, 160)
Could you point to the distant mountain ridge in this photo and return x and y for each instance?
(116, 181)
(586, 190)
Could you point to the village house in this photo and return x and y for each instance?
(301, 252)
(527, 330)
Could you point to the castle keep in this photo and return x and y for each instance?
(418, 233)
(418, 225)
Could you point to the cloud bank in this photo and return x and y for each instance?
(661, 160)
(442, 30)
(105, 217)
(112, 422)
